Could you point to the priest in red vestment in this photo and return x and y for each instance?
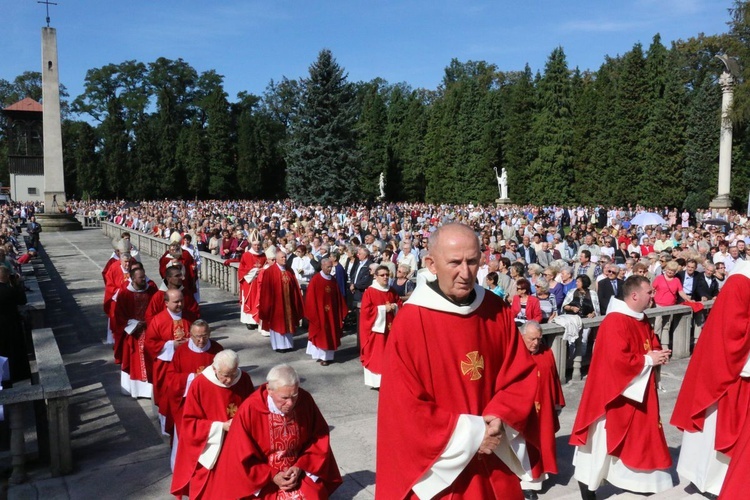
(377, 311)
(544, 422)
(617, 432)
(458, 386)
(251, 263)
(189, 360)
(210, 407)
(130, 322)
(280, 306)
(115, 275)
(177, 256)
(325, 309)
(712, 406)
(278, 446)
(164, 333)
(173, 281)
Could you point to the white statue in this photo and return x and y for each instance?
(502, 183)
(381, 184)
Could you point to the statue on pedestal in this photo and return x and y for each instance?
(502, 183)
(381, 185)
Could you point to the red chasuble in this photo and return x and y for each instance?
(634, 430)
(109, 264)
(160, 330)
(113, 281)
(249, 292)
(132, 305)
(260, 444)
(205, 404)
(713, 374)
(735, 482)
(280, 305)
(190, 309)
(439, 365)
(184, 362)
(372, 344)
(543, 423)
(325, 309)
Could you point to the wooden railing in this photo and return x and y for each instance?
(685, 329)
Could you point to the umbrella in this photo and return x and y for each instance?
(716, 222)
(648, 219)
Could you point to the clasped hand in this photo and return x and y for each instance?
(289, 479)
(660, 357)
(492, 434)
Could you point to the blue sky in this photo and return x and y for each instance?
(251, 42)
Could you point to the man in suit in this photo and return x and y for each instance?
(610, 286)
(545, 256)
(712, 283)
(527, 251)
(360, 277)
(693, 282)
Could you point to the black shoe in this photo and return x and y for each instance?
(530, 495)
(249, 327)
(586, 494)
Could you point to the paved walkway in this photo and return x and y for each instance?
(118, 451)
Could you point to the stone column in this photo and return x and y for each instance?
(723, 199)
(54, 183)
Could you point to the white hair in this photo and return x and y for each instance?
(226, 359)
(282, 376)
(530, 324)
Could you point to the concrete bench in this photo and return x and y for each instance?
(50, 391)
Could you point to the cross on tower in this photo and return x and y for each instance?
(48, 3)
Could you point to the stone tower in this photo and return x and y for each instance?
(54, 183)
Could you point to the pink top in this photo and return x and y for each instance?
(666, 291)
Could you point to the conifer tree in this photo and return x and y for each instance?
(321, 156)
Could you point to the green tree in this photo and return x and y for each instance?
(192, 158)
(701, 172)
(519, 147)
(627, 168)
(663, 137)
(173, 83)
(371, 134)
(321, 155)
(551, 173)
(405, 132)
(219, 144)
(81, 147)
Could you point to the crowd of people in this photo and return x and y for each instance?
(450, 302)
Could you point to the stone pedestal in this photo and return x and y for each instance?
(721, 202)
(57, 222)
(503, 201)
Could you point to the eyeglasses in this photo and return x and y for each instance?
(382, 275)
